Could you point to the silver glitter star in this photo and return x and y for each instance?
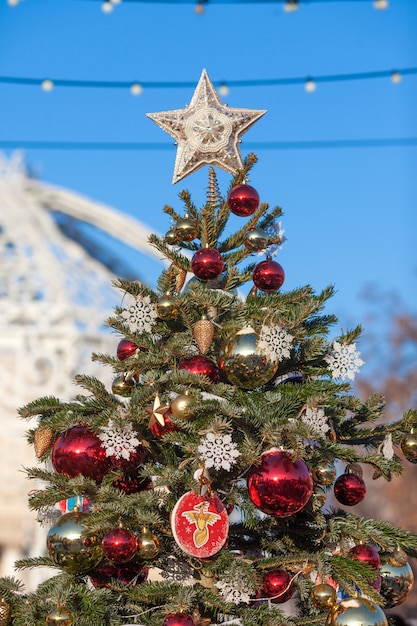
(206, 131)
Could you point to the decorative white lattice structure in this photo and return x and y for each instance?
(54, 298)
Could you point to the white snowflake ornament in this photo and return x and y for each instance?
(218, 451)
(316, 420)
(119, 443)
(139, 313)
(235, 593)
(275, 342)
(343, 360)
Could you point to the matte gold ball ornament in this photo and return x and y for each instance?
(323, 596)
(69, 547)
(5, 612)
(244, 364)
(59, 616)
(182, 406)
(356, 612)
(167, 308)
(147, 545)
(409, 447)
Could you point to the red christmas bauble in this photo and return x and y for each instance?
(168, 427)
(367, 554)
(178, 619)
(207, 264)
(119, 545)
(131, 482)
(280, 485)
(349, 489)
(132, 573)
(278, 586)
(134, 461)
(201, 365)
(77, 452)
(125, 349)
(243, 200)
(268, 276)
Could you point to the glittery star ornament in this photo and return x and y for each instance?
(206, 131)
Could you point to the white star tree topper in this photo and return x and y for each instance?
(206, 131)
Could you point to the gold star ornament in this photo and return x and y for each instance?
(206, 131)
(156, 412)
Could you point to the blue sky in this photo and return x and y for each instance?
(349, 213)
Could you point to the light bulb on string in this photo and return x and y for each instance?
(396, 78)
(199, 7)
(291, 5)
(47, 85)
(107, 6)
(310, 85)
(224, 89)
(12, 3)
(136, 89)
(381, 5)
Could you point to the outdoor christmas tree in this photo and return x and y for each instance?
(194, 491)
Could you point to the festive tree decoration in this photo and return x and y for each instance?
(268, 276)
(200, 524)
(243, 200)
(218, 451)
(206, 131)
(344, 361)
(77, 452)
(349, 489)
(279, 484)
(244, 363)
(139, 313)
(198, 488)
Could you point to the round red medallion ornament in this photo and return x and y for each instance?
(200, 525)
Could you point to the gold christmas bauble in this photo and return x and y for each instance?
(186, 229)
(5, 612)
(396, 583)
(148, 545)
(356, 612)
(243, 362)
(171, 237)
(59, 616)
(320, 494)
(167, 308)
(409, 447)
(256, 239)
(398, 558)
(182, 406)
(69, 547)
(123, 386)
(323, 596)
(324, 473)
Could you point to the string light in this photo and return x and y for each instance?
(107, 6)
(310, 85)
(47, 85)
(199, 7)
(291, 5)
(136, 89)
(381, 4)
(12, 3)
(396, 78)
(223, 89)
(258, 82)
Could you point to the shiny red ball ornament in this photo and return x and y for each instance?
(279, 484)
(125, 349)
(366, 554)
(268, 276)
(207, 264)
(278, 586)
(119, 545)
(243, 200)
(134, 461)
(131, 573)
(131, 482)
(201, 365)
(78, 452)
(349, 489)
(178, 619)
